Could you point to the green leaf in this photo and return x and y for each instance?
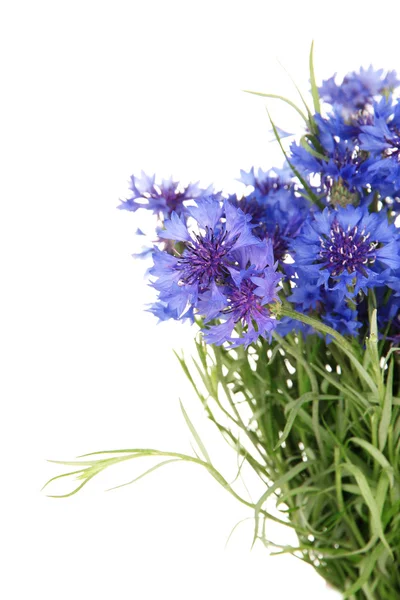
(386, 409)
(311, 194)
(194, 433)
(294, 407)
(275, 352)
(376, 523)
(311, 150)
(382, 492)
(282, 98)
(153, 468)
(190, 378)
(292, 416)
(339, 340)
(314, 88)
(278, 484)
(376, 455)
(367, 566)
(311, 123)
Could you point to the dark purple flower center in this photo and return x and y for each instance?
(350, 250)
(244, 303)
(173, 198)
(269, 184)
(205, 258)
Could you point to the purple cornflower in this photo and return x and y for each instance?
(348, 250)
(206, 258)
(207, 255)
(276, 211)
(161, 198)
(311, 298)
(265, 182)
(381, 138)
(357, 90)
(334, 156)
(246, 302)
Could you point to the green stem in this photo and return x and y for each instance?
(339, 340)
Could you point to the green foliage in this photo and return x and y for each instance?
(314, 88)
(282, 99)
(321, 433)
(319, 424)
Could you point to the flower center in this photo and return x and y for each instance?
(205, 258)
(173, 198)
(349, 250)
(244, 303)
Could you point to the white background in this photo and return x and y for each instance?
(90, 93)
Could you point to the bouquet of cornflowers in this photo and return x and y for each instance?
(293, 287)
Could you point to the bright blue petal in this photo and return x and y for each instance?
(207, 212)
(175, 229)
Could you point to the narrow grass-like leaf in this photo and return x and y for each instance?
(376, 523)
(293, 409)
(189, 376)
(314, 88)
(311, 150)
(312, 196)
(376, 455)
(194, 433)
(279, 484)
(154, 468)
(80, 471)
(283, 99)
(292, 416)
(311, 122)
(340, 341)
(386, 409)
(367, 567)
(382, 492)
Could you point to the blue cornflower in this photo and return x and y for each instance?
(277, 210)
(306, 295)
(265, 182)
(310, 298)
(333, 154)
(208, 255)
(339, 315)
(381, 138)
(357, 90)
(245, 301)
(163, 312)
(347, 249)
(161, 198)
(382, 132)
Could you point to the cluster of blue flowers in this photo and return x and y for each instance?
(326, 243)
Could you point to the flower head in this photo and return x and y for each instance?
(381, 138)
(208, 252)
(347, 249)
(276, 210)
(221, 272)
(357, 90)
(247, 299)
(161, 198)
